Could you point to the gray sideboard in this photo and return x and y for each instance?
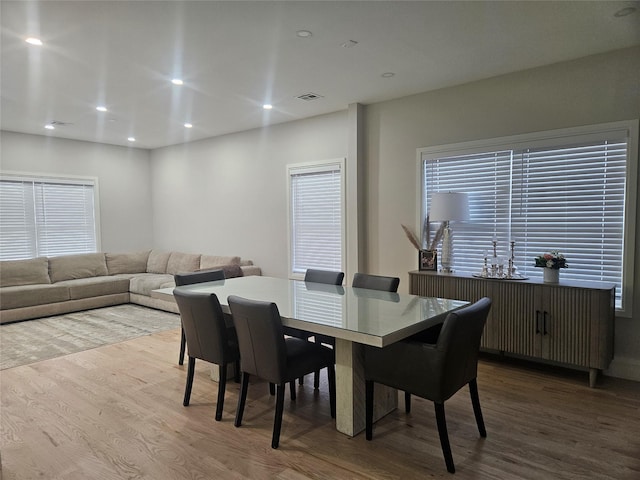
(567, 323)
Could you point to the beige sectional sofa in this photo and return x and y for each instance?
(41, 287)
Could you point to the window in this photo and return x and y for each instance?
(46, 217)
(564, 190)
(316, 216)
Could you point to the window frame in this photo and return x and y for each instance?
(547, 139)
(63, 179)
(311, 168)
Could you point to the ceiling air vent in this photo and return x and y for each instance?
(307, 97)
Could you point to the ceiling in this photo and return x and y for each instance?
(236, 56)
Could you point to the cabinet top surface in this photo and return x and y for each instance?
(535, 281)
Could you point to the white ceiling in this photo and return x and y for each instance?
(235, 56)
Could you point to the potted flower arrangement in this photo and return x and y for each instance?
(552, 262)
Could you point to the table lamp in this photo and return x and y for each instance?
(447, 207)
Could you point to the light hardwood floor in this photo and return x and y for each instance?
(116, 412)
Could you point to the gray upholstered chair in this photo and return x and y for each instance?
(190, 279)
(432, 371)
(327, 277)
(208, 338)
(267, 354)
(375, 282)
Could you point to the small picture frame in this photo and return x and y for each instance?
(428, 260)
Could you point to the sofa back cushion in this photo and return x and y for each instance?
(183, 262)
(157, 262)
(135, 262)
(24, 272)
(84, 265)
(207, 262)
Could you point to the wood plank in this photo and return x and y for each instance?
(116, 412)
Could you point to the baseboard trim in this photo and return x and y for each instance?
(624, 367)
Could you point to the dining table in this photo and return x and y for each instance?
(355, 317)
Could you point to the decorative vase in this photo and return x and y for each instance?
(551, 275)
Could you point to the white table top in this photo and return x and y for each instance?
(360, 315)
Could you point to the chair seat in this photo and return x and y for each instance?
(304, 357)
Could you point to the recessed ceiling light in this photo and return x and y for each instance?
(188, 125)
(34, 41)
(177, 81)
(303, 33)
(101, 108)
(267, 106)
(132, 139)
(623, 12)
(48, 126)
(387, 74)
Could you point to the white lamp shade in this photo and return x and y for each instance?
(449, 206)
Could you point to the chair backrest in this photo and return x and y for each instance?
(260, 337)
(324, 276)
(198, 277)
(375, 282)
(204, 326)
(459, 342)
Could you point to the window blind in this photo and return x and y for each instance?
(569, 197)
(316, 217)
(46, 217)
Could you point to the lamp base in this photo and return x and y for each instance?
(446, 257)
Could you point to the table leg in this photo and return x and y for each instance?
(350, 402)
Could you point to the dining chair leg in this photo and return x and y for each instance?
(292, 387)
(301, 380)
(187, 389)
(244, 386)
(407, 402)
(475, 401)
(331, 375)
(272, 389)
(444, 437)
(183, 344)
(316, 379)
(368, 401)
(277, 421)
(222, 382)
(236, 367)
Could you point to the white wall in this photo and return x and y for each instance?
(123, 181)
(597, 89)
(228, 195)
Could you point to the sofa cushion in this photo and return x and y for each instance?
(127, 262)
(20, 296)
(183, 262)
(143, 284)
(24, 272)
(209, 262)
(95, 286)
(157, 262)
(69, 267)
(232, 271)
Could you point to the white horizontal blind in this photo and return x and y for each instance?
(17, 220)
(572, 198)
(46, 218)
(316, 217)
(568, 197)
(490, 175)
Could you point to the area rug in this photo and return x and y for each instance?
(35, 340)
